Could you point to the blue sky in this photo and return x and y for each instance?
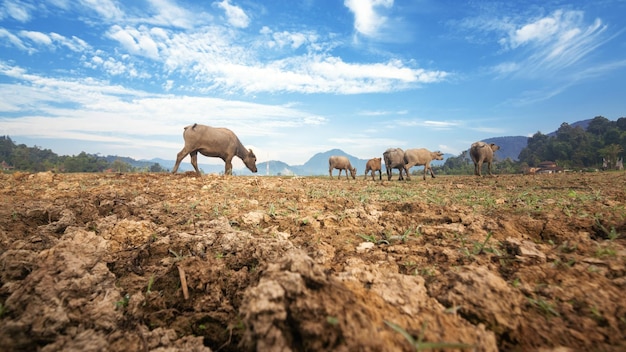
(294, 78)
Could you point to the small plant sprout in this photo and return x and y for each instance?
(368, 238)
(123, 303)
(150, 283)
(178, 256)
(481, 248)
(419, 344)
(332, 320)
(543, 306)
(611, 235)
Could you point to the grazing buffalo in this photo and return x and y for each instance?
(482, 152)
(341, 163)
(394, 159)
(374, 165)
(422, 156)
(214, 142)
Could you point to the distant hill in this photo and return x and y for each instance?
(510, 147)
(584, 124)
(274, 167)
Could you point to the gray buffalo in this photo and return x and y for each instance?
(418, 157)
(482, 152)
(394, 159)
(214, 142)
(341, 163)
(374, 165)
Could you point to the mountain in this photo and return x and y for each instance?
(510, 147)
(584, 124)
(273, 167)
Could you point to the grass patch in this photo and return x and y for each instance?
(419, 344)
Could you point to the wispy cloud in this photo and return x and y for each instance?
(17, 10)
(213, 59)
(107, 9)
(556, 41)
(431, 124)
(367, 17)
(93, 110)
(234, 14)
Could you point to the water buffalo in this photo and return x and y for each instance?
(374, 165)
(421, 156)
(482, 152)
(394, 159)
(341, 163)
(214, 142)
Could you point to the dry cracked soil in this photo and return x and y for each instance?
(162, 262)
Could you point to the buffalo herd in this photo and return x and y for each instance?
(403, 160)
(224, 144)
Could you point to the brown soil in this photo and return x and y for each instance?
(95, 262)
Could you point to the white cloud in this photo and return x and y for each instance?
(367, 20)
(75, 44)
(235, 15)
(105, 8)
(170, 14)
(554, 42)
(430, 124)
(13, 39)
(89, 110)
(136, 40)
(18, 10)
(37, 37)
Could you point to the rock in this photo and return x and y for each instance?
(365, 247)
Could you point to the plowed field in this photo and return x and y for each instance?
(161, 262)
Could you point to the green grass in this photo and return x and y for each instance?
(543, 306)
(420, 345)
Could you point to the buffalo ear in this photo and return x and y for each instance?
(251, 152)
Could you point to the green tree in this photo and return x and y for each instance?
(611, 153)
(536, 149)
(156, 167)
(120, 166)
(599, 125)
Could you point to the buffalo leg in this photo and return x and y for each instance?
(179, 157)
(228, 168)
(479, 167)
(194, 161)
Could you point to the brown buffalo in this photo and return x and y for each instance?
(214, 142)
(394, 159)
(482, 152)
(341, 163)
(374, 165)
(418, 157)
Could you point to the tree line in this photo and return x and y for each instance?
(35, 159)
(603, 142)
